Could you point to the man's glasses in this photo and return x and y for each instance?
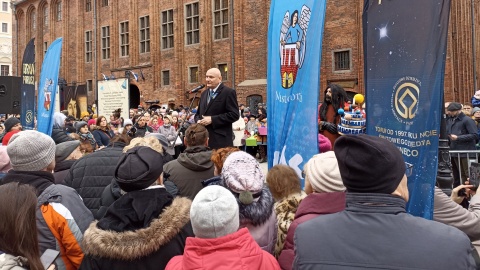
(408, 169)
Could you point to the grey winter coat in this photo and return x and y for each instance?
(375, 232)
(449, 212)
(189, 170)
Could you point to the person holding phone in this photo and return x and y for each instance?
(18, 229)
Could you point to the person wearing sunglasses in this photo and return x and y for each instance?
(374, 230)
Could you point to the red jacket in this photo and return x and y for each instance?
(312, 206)
(234, 251)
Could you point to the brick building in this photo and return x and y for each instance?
(170, 44)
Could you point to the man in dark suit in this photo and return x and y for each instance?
(217, 110)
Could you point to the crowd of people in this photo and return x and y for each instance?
(131, 205)
(121, 194)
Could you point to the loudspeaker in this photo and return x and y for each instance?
(10, 94)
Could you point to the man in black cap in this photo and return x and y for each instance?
(374, 231)
(145, 227)
(462, 134)
(13, 126)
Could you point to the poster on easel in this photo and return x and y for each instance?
(112, 95)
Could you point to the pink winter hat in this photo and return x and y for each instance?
(5, 165)
(324, 144)
(242, 173)
(91, 122)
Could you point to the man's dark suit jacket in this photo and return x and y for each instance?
(224, 111)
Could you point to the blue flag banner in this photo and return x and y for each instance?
(293, 79)
(27, 87)
(47, 87)
(405, 48)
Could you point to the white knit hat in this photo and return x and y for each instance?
(30, 150)
(323, 174)
(214, 213)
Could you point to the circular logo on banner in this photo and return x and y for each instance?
(405, 99)
(29, 117)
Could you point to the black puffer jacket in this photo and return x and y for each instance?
(59, 136)
(92, 173)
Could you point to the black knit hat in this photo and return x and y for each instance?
(138, 168)
(369, 164)
(11, 122)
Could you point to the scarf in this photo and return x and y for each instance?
(87, 136)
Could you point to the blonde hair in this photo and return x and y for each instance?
(151, 142)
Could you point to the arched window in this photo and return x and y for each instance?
(31, 21)
(45, 16)
(58, 11)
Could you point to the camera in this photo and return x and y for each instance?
(132, 131)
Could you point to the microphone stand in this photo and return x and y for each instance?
(184, 125)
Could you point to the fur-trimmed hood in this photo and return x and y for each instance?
(131, 245)
(258, 212)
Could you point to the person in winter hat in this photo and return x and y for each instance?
(61, 215)
(217, 243)
(324, 144)
(12, 126)
(85, 134)
(144, 228)
(242, 175)
(66, 154)
(375, 220)
(326, 195)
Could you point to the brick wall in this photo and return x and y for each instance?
(342, 32)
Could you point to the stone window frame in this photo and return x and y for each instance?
(4, 6)
(190, 74)
(4, 27)
(4, 70)
(58, 11)
(124, 38)
(192, 23)
(88, 5)
(167, 29)
(337, 53)
(88, 46)
(144, 34)
(105, 32)
(224, 72)
(165, 72)
(223, 23)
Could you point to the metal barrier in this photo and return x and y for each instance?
(471, 155)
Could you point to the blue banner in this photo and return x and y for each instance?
(405, 47)
(293, 79)
(48, 86)
(28, 87)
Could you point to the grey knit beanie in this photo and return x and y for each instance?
(322, 172)
(79, 125)
(31, 150)
(214, 213)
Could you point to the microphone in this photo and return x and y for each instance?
(196, 89)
